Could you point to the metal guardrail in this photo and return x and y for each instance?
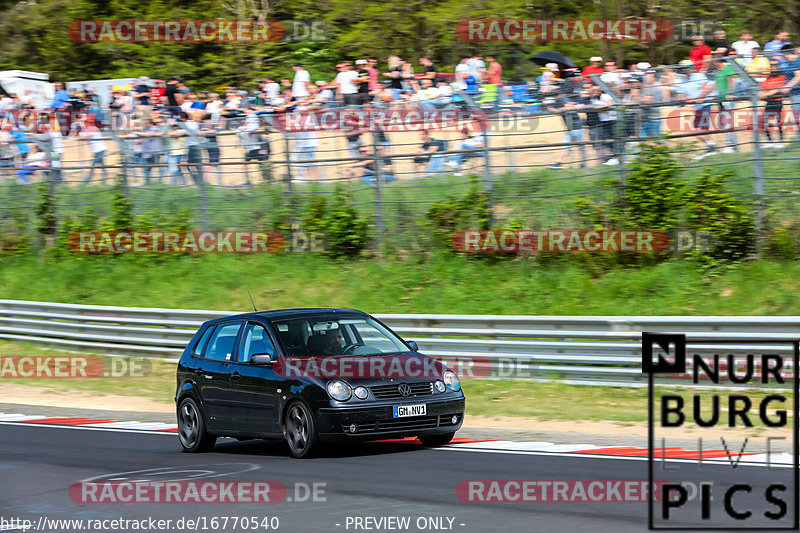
(579, 349)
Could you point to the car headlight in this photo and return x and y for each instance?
(451, 380)
(440, 386)
(339, 390)
(361, 393)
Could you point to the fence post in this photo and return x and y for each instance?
(379, 221)
(487, 172)
(289, 192)
(203, 207)
(124, 154)
(758, 171)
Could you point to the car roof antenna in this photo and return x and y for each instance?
(251, 299)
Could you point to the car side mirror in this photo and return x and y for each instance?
(261, 359)
(413, 346)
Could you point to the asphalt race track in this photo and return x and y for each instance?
(38, 464)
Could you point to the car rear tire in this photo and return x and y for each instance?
(300, 431)
(192, 428)
(436, 440)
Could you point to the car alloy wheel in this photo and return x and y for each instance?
(191, 428)
(300, 432)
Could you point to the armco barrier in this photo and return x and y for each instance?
(585, 349)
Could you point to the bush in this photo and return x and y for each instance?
(453, 214)
(782, 243)
(728, 222)
(45, 211)
(346, 232)
(652, 195)
(121, 218)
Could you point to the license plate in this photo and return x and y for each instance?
(409, 410)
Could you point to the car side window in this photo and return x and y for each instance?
(220, 346)
(203, 342)
(255, 341)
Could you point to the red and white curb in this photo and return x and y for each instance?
(88, 423)
(731, 456)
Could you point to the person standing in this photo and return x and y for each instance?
(603, 103)
(344, 81)
(174, 96)
(60, 98)
(772, 91)
(152, 147)
(301, 85)
(7, 151)
(461, 75)
(775, 45)
(55, 149)
(792, 87)
(700, 53)
(744, 47)
(194, 154)
(720, 44)
(93, 135)
(362, 82)
(477, 68)
(374, 86)
(495, 72)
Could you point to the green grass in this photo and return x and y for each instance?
(440, 284)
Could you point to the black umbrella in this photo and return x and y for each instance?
(543, 58)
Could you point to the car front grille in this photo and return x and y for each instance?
(392, 392)
(398, 424)
(406, 424)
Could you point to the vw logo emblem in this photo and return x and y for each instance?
(404, 389)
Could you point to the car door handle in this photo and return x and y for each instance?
(236, 375)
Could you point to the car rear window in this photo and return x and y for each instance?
(201, 344)
(220, 346)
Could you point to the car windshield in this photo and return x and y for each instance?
(336, 335)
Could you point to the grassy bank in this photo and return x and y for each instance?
(441, 284)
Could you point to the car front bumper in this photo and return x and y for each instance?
(374, 422)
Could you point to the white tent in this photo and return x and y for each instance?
(37, 83)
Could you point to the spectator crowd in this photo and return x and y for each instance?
(172, 131)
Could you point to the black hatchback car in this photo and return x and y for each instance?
(311, 376)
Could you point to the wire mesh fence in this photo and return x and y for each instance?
(534, 156)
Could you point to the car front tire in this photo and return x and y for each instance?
(436, 440)
(300, 431)
(192, 428)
